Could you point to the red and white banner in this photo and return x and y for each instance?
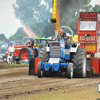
(31, 31)
(28, 31)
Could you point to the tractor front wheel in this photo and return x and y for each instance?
(70, 71)
(39, 70)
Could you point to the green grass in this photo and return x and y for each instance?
(18, 64)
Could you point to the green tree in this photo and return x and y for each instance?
(3, 37)
(36, 14)
(18, 36)
(33, 13)
(47, 31)
(36, 28)
(96, 8)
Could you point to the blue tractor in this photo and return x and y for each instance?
(59, 57)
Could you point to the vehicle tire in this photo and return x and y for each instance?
(32, 67)
(70, 71)
(79, 61)
(4, 58)
(44, 57)
(39, 70)
(24, 52)
(17, 62)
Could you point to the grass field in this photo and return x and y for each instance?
(18, 64)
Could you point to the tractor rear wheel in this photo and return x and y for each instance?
(70, 71)
(24, 52)
(39, 70)
(79, 61)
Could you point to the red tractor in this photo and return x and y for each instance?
(22, 51)
(88, 37)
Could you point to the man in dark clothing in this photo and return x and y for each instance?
(64, 36)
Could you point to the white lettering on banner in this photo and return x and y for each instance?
(93, 38)
(82, 38)
(90, 38)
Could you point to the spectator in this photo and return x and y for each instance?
(11, 50)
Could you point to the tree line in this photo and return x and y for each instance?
(37, 15)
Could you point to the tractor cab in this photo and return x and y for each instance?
(41, 42)
(88, 29)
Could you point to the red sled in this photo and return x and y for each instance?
(33, 65)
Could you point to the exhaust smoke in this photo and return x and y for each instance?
(66, 7)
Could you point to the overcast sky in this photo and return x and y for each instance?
(94, 2)
(8, 22)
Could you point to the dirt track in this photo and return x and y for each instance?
(15, 82)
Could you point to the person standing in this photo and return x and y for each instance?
(11, 50)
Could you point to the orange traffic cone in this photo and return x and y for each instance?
(15, 62)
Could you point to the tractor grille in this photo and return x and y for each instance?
(55, 50)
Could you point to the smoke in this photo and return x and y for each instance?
(66, 7)
(63, 6)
